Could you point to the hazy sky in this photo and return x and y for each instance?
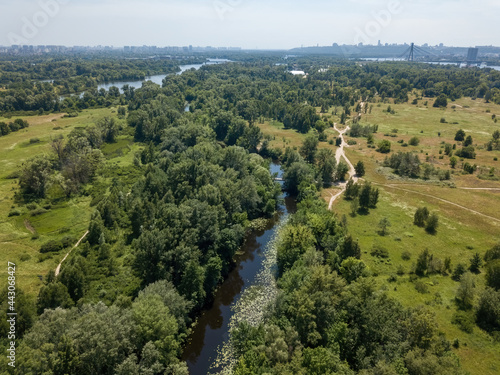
(248, 23)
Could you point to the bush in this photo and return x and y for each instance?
(464, 321)
(421, 287)
(384, 147)
(14, 213)
(404, 164)
(441, 101)
(432, 224)
(51, 247)
(57, 245)
(379, 251)
(414, 141)
(406, 255)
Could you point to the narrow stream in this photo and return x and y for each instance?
(212, 329)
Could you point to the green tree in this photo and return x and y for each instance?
(342, 170)
(475, 263)
(488, 312)
(460, 135)
(493, 253)
(354, 207)
(432, 224)
(351, 190)
(441, 101)
(310, 148)
(35, 176)
(53, 295)
(493, 274)
(360, 168)
(422, 263)
(296, 240)
(326, 165)
(298, 173)
(459, 270)
(466, 291)
(421, 216)
(156, 324)
(453, 161)
(468, 141)
(383, 225)
(352, 269)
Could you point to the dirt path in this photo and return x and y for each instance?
(58, 269)
(29, 227)
(441, 200)
(466, 188)
(340, 153)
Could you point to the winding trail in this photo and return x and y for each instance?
(58, 269)
(392, 186)
(340, 153)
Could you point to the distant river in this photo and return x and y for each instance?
(158, 79)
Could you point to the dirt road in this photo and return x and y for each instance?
(339, 154)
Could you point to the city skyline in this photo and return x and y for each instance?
(249, 25)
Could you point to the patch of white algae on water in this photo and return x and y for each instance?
(252, 304)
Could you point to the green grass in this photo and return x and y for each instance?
(69, 218)
(460, 233)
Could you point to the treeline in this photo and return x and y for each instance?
(397, 80)
(331, 318)
(251, 89)
(14, 126)
(16, 70)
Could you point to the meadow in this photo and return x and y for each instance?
(24, 227)
(469, 220)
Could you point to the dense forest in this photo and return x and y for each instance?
(165, 229)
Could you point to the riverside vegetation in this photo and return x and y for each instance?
(167, 196)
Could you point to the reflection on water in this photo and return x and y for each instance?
(212, 328)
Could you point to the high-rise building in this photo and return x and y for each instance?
(472, 54)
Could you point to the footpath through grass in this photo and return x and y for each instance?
(29, 226)
(461, 232)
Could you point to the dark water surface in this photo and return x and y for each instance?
(212, 329)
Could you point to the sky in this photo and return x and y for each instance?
(250, 24)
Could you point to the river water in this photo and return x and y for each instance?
(212, 329)
(158, 79)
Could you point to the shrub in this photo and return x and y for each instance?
(441, 101)
(384, 147)
(421, 287)
(14, 213)
(464, 321)
(57, 245)
(379, 251)
(414, 141)
(406, 255)
(51, 247)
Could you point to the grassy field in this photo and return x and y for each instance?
(21, 236)
(469, 220)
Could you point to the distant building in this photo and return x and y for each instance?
(472, 54)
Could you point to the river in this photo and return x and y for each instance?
(158, 78)
(206, 343)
